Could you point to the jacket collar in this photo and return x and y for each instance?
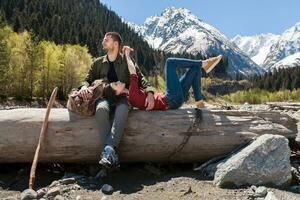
(118, 59)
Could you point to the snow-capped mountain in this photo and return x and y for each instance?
(256, 47)
(289, 61)
(177, 30)
(288, 44)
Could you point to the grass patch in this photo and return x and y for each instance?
(258, 96)
(158, 82)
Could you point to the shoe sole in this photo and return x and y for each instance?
(104, 162)
(107, 164)
(214, 64)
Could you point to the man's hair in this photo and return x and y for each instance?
(116, 37)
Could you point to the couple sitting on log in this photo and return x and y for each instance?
(126, 86)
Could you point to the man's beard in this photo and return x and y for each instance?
(107, 49)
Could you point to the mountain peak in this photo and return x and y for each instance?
(288, 44)
(183, 13)
(177, 30)
(256, 47)
(174, 10)
(237, 37)
(297, 24)
(171, 13)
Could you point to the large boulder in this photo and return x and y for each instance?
(266, 161)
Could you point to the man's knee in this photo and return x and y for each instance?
(102, 109)
(169, 61)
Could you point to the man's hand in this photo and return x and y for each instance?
(149, 101)
(126, 50)
(85, 93)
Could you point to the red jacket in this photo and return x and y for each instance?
(137, 96)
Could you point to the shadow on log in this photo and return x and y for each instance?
(183, 135)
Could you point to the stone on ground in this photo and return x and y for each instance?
(266, 161)
(107, 189)
(28, 194)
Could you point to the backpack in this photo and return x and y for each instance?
(86, 107)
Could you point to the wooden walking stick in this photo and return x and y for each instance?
(41, 138)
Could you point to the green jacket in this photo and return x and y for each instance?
(100, 66)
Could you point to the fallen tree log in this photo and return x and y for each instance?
(284, 105)
(183, 135)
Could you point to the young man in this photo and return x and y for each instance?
(113, 67)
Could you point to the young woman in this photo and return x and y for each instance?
(176, 88)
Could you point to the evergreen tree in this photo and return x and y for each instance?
(85, 23)
(279, 79)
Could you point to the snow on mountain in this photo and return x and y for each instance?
(256, 47)
(177, 30)
(288, 44)
(136, 28)
(289, 61)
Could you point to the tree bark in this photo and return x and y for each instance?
(183, 135)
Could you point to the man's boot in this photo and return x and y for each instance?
(109, 158)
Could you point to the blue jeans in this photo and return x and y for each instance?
(177, 88)
(111, 121)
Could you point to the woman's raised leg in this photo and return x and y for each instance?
(192, 78)
(176, 89)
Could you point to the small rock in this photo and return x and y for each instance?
(295, 174)
(59, 197)
(53, 191)
(28, 194)
(67, 181)
(79, 178)
(107, 189)
(78, 197)
(104, 198)
(54, 183)
(253, 188)
(246, 106)
(271, 196)
(41, 192)
(70, 188)
(261, 191)
(76, 187)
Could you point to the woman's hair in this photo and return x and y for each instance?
(110, 94)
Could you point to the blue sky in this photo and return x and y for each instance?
(245, 17)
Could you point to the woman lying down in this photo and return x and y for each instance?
(176, 88)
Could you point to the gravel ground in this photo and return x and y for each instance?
(138, 181)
